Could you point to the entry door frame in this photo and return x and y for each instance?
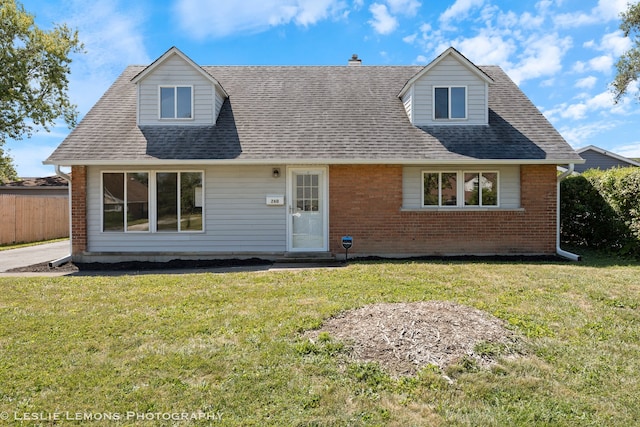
(323, 183)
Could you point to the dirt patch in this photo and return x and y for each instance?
(405, 337)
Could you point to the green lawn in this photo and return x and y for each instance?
(152, 349)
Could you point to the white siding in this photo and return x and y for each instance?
(237, 218)
(407, 100)
(219, 100)
(176, 71)
(509, 183)
(449, 72)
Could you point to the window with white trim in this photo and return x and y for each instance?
(460, 189)
(176, 102)
(152, 201)
(179, 201)
(125, 201)
(449, 102)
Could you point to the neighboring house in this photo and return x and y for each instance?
(597, 158)
(53, 186)
(178, 160)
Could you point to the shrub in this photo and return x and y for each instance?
(601, 209)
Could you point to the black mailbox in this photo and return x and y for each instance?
(347, 242)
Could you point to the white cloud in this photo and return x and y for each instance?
(487, 49)
(577, 135)
(542, 57)
(219, 18)
(410, 38)
(404, 7)
(459, 10)
(601, 103)
(602, 63)
(586, 83)
(605, 11)
(382, 22)
(628, 150)
(615, 43)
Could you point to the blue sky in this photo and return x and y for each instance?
(562, 53)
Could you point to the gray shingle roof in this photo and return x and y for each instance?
(323, 114)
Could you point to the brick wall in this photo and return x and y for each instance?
(366, 203)
(78, 209)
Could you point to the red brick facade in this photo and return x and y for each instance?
(366, 203)
(78, 209)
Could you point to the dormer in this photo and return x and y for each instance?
(174, 90)
(451, 90)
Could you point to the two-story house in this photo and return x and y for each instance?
(178, 160)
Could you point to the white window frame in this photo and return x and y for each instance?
(460, 202)
(126, 201)
(153, 201)
(450, 104)
(179, 210)
(175, 102)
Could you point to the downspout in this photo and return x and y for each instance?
(65, 259)
(559, 251)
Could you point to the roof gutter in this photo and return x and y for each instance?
(560, 251)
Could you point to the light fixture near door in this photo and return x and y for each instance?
(275, 172)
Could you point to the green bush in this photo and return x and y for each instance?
(601, 209)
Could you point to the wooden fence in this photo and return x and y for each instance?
(32, 218)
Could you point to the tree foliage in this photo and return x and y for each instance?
(601, 209)
(34, 77)
(7, 171)
(628, 66)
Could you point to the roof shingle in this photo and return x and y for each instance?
(311, 114)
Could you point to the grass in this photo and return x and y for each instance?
(227, 347)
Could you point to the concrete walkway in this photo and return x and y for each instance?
(22, 257)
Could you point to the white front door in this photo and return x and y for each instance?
(307, 206)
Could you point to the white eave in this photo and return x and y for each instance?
(459, 57)
(168, 54)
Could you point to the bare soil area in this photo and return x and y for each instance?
(405, 337)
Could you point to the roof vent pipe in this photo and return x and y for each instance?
(354, 61)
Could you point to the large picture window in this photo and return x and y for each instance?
(176, 102)
(125, 201)
(177, 204)
(460, 188)
(450, 102)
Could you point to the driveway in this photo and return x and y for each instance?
(22, 257)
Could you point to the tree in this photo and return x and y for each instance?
(34, 73)
(628, 66)
(7, 171)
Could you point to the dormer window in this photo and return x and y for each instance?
(176, 102)
(450, 103)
